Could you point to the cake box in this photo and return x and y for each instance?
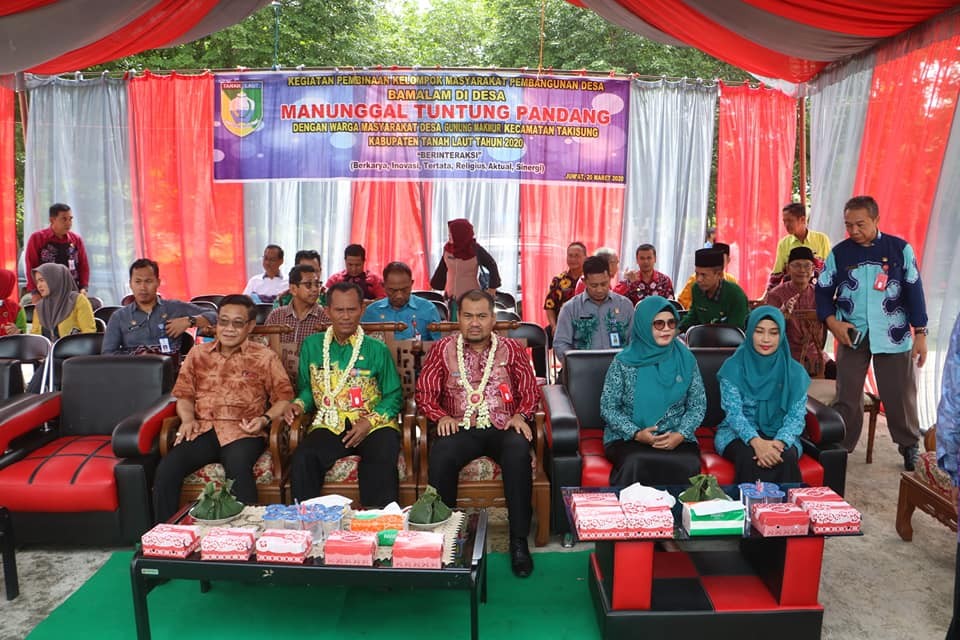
(170, 541)
(648, 521)
(418, 550)
(813, 494)
(352, 548)
(596, 499)
(223, 543)
(780, 519)
(601, 522)
(284, 545)
(713, 517)
(833, 517)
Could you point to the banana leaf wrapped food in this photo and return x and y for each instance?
(217, 502)
(703, 487)
(429, 508)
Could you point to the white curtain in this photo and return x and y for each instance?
(838, 111)
(493, 207)
(297, 215)
(78, 154)
(668, 172)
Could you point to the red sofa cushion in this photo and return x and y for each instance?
(596, 467)
(68, 475)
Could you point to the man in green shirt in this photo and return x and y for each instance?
(350, 384)
(715, 300)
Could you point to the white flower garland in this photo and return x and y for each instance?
(475, 402)
(327, 411)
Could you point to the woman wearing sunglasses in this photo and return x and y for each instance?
(652, 401)
(764, 394)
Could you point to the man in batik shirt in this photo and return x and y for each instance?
(798, 301)
(355, 261)
(563, 285)
(596, 318)
(303, 314)
(948, 443)
(645, 281)
(350, 383)
(481, 392)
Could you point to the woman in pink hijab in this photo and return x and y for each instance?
(459, 269)
(12, 318)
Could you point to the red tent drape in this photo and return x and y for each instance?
(551, 217)
(192, 227)
(871, 18)
(912, 103)
(388, 222)
(758, 131)
(8, 207)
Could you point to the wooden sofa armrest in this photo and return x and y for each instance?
(168, 433)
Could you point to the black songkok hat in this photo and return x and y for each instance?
(801, 253)
(722, 247)
(708, 258)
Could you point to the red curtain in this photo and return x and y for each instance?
(163, 23)
(8, 207)
(9, 7)
(870, 18)
(912, 103)
(551, 217)
(192, 227)
(758, 131)
(388, 221)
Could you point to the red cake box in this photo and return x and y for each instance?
(780, 519)
(418, 550)
(170, 541)
(601, 523)
(581, 500)
(813, 494)
(284, 545)
(833, 517)
(648, 521)
(223, 543)
(354, 548)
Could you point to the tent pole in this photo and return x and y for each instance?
(801, 108)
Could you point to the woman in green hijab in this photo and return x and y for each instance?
(764, 394)
(652, 402)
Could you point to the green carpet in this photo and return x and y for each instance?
(552, 603)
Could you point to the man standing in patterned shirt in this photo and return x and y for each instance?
(645, 281)
(563, 286)
(596, 318)
(58, 244)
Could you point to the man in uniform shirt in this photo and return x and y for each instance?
(596, 318)
(401, 306)
(714, 299)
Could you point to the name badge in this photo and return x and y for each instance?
(505, 393)
(614, 339)
(880, 284)
(72, 264)
(356, 397)
(165, 345)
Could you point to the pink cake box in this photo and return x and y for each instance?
(581, 500)
(648, 521)
(352, 548)
(170, 541)
(833, 517)
(813, 494)
(284, 545)
(779, 519)
(228, 543)
(601, 523)
(418, 550)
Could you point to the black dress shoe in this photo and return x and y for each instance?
(520, 560)
(910, 455)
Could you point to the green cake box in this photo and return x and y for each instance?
(713, 518)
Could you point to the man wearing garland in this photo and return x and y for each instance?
(481, 391)
(350, 383)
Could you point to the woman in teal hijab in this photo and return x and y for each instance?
(764, 394)
(652, 402)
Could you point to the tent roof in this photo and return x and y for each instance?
(54, 36)
(791, 40)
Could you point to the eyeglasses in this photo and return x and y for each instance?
(309, 284)
(236, 323)
(660, 324)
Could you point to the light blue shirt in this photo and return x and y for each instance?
(948, 414)
(416, 314)
(741, 420)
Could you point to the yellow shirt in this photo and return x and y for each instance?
(686, 296)
(81, 319)
(816, 241)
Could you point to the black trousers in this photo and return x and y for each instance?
(237, 459)
(449, 454)
(379, 479)
(953, 633)
(636, 462)
(747, 469)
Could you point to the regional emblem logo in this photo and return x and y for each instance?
(241, 107)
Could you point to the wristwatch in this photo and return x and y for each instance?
(921, 331)
(193, 321)
(527, 417)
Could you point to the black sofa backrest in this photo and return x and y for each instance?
(584, 373)
(536, 339)
(11, 378)
(100, 391)
(709, 359)
(714, 335)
